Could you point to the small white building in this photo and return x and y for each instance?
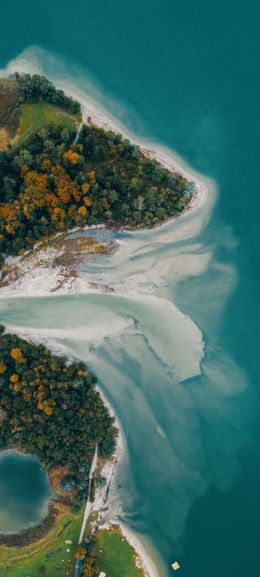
(102, 574)
(175, 566)
(68, 542)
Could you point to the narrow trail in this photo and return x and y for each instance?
(79, 127)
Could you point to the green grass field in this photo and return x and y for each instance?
(34, 116)
(48, 557)
(117, 557)
(51, 559)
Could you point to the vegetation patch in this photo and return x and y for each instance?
(109, 552)
(35, 116)
(50, 409)
(4, 138)
(9, 110)
(29, 102)
(54, 181)
(38, 88)
(49, 556)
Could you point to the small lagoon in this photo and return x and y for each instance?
(25, 492)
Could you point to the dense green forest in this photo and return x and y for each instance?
(56, 180)
(50, 408)
(34, 88)
(25, 88)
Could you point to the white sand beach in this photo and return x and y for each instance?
(47, 281)
(43, 280)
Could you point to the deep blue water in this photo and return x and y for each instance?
(187, 75)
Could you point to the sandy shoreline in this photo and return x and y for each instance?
(102, 498)
(174, 164)
(163, 155)
(49, 281)
(38, 285)
(101, 501)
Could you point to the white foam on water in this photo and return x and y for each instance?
(175, 391)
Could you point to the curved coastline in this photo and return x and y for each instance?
(172, 162)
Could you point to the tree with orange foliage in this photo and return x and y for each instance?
(47, 165)
(57, 213)
(71, 156)
(16, 387)
(82, 211)
(92, 177)
(66, 188)
(9, 216)
(14, 378)
(3, 367)
(88, 201)
(36, 186)
(80, 553)
(88, 571)
(85, 187)
(17, 355)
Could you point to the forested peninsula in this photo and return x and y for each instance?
(65, 174)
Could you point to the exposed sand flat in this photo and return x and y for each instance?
(138, 276)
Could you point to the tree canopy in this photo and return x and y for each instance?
(35, 87)
(50, 408)
(51, 184)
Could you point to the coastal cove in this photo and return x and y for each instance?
(168, 321)
(143, 276)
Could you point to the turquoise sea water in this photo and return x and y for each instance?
(24, 492)
(185, 74)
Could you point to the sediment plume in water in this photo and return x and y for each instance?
(155, 347)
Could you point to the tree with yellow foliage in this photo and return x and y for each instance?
(36, 186)
(72, 157)
(80, 553)
(88, 201)
(17, 355)
(88, 571)
(14, 378)
(3, 367)
(9, 216)
(92, 177)
(85, 187)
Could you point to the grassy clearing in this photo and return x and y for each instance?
(48, 557)
(117, 558)
(34, 116)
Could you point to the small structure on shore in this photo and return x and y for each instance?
(175, 566)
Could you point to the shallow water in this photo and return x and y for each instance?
(24, 492)
(184, 405)
(183, 377)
